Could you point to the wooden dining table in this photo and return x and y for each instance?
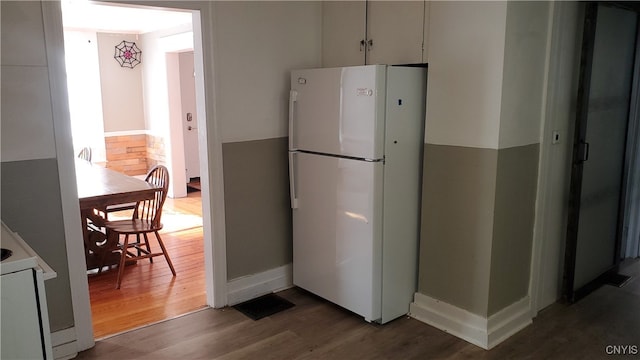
(98, 188)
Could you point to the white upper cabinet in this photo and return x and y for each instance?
(343, 33)
(395, 32)
(373, 32)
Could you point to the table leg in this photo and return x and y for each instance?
(99, 252)
(85, 233)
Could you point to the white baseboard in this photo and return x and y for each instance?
(483, 332)
(64, 344)
(252, 286)
(509, 321)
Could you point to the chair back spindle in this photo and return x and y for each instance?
(145, 219)
(85, 154)
(151, 210)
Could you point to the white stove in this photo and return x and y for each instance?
(25, 317)
(22, 256)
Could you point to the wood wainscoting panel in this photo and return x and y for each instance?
(127, 153)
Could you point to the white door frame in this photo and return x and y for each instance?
(191, 149)
(539, 246)
(210, 159)
(631, 228)
(549, 233)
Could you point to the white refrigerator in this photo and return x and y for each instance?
(355, 164)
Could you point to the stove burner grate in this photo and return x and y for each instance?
(6, 253)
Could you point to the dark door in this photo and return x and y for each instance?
(593, 237)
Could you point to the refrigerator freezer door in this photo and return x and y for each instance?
(337, 231)
(338, 111)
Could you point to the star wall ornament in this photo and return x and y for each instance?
(128, 54)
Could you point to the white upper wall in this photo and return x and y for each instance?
(27, 131)
(122, 108)
(161, 92)
(155, 77)
(464, 91)
(524, 73)
(257, 44)
(82, 15)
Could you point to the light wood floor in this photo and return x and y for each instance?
(149, 293)
(316, 329)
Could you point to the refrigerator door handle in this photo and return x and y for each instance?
(293, 97)
(292, 180)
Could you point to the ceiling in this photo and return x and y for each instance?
(86, 15)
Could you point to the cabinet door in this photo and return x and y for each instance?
(395, 29)
(425, 32)
(21, 336)
(343, 27)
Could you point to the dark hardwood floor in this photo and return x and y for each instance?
(316, 329)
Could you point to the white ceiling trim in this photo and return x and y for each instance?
(87, 15)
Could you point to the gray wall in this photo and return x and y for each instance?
(514, 215)
(31, 197)
(478, 208)
(31, 206)
(257, 207)
(256, 195)
(257, 45)
(458, 195)
(484, 113)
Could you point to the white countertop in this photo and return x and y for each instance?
(23, 256)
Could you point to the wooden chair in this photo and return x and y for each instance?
(145, 220)
(85, 154)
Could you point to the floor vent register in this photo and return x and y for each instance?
(263, 306)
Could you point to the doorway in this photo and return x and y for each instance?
(600, 167)
(190, 119)
(174, 149)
